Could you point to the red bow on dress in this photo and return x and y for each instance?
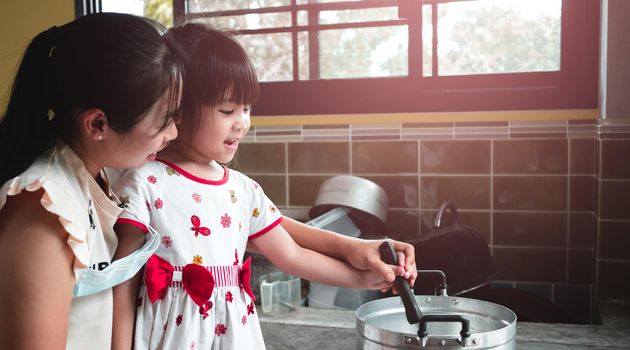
(197, 281)
(245, 276)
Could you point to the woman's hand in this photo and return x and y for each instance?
(364, 255)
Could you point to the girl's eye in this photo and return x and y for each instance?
(226, 112)
(246, 109)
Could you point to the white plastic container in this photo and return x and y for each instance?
(280, 293)
(323, 296)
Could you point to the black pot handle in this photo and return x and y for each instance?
(422, 331)
(412, 311)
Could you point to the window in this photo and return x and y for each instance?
(158, 10)
(392, 56)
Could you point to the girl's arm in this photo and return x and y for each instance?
(130, 239)
(37, 275)
(360, 253)
(278, 246)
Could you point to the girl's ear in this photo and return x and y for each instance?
(93, 123)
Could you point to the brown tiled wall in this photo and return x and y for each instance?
(539, 192)
(613, 210)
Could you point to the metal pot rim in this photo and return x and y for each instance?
(371, 315)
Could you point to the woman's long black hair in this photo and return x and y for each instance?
(118, 63)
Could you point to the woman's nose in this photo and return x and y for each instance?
(171, 132)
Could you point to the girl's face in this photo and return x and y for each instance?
(220, 131)
(146, 138)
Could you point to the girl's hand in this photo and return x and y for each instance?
(371, 280)
(364, 255)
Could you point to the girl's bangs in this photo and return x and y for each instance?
(235, 83)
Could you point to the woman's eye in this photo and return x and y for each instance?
(246, 110)
(227, 112)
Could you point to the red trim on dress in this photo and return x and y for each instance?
(135, 223)
(196, 178)
(266, 229)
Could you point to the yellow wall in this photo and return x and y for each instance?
(20, 21)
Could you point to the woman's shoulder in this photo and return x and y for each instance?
(55, 171)
(52, 190)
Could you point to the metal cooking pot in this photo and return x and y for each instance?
(432, 322)
(368, 200)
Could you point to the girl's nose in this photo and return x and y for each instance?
(242, 122)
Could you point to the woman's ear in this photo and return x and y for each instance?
(94, 124)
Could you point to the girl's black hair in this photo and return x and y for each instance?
(217, 68)
(116, 62)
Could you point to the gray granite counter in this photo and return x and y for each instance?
(309, 328)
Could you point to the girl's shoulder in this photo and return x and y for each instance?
(151, 172)
(236, 176)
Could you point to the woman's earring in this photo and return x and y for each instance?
(99, 137)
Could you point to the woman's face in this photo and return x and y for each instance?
(146, 138)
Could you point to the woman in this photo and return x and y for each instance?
(100, 91)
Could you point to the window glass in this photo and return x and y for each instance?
(249, 21)
(498, 36)
(358, 15)
(427, 41)
(271, 54)
(303, 52)
(363, 52)
(196, 6)
(301, 2)
(158, 10)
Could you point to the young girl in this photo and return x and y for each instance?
(97, 92)
(196, 291)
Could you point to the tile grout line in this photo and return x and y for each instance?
(492, 145)
(568, 204)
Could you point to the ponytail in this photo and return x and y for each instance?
(25, 129)
(115, 62)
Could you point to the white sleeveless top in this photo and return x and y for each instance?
(88, 215)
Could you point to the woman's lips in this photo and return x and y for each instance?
(153, 155)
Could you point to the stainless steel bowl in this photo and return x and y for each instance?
(353, 192)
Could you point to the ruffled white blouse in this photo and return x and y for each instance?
(88, 216)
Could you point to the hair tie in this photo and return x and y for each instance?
(52, 39)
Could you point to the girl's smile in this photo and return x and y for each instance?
(231, 144)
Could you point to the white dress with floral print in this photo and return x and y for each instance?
(201, 222)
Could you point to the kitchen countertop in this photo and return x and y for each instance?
(310, 328)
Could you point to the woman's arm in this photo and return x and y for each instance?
(278, 246)
(360, 253)
(130, 239)
(37, 276)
